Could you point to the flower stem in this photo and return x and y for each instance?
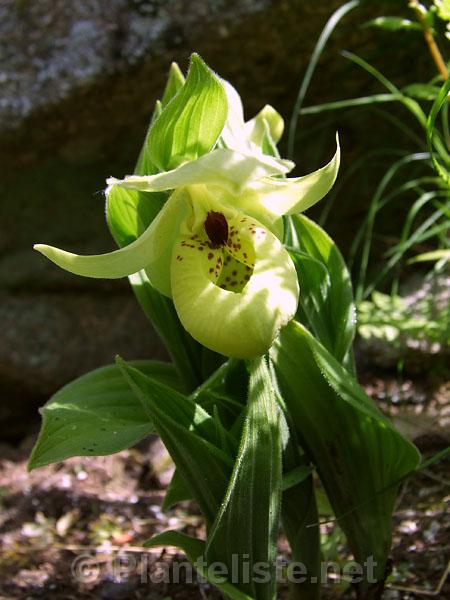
(431, 42)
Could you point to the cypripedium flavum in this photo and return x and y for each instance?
(214, 247)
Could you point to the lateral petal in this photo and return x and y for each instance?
(289, 196)
(146, 251)
(114, 265)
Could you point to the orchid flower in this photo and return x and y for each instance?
(214, 247)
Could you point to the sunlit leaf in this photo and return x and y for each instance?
(299, 516)
(175, 82)
(326, 304)
(433, 256)
(359, 455)
(96, 414)
(421, 91)
(394, 24)
(247, 523)
(437, 158)
(185, 428)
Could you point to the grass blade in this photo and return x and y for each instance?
(330, 26)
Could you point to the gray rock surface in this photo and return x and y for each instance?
(51, 47)
(49, 339)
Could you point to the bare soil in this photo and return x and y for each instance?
(75, 530)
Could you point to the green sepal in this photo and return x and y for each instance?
(144, 164)
(191, 122)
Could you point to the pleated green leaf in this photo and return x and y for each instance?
(175, 82)
(194, 550)
(247, 523)
(183, 349)
(192, 547)
(212, 396)
(95, 415)
(295, 476)
(188, 433)
(191, 123)
(176, 492)
(299, 515)
(326, 305)
(359, 455)
(300, 518)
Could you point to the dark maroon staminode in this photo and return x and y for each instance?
(216, 227)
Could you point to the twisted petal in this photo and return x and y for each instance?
(151, 249)
(240, 324)
(113, 265)
(290, 196)
(221, 167)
